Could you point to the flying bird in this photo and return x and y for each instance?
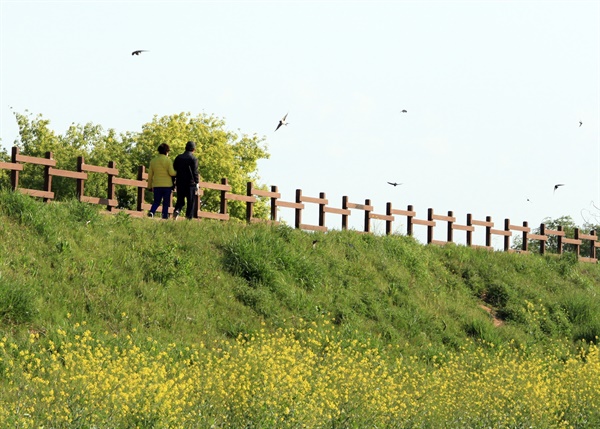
(138, 52)
(394, 183)
(580, 123)
(404, 111)
(282, 122)
(556, 186)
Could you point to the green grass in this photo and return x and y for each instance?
(187, 282)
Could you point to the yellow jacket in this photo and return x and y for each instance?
(161, 172)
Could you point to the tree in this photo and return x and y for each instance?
(568, 226)
(221, 154)
(90, 141)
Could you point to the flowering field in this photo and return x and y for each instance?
(307, 377)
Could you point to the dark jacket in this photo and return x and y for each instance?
(186, 166)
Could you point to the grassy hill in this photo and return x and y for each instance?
(186, 283)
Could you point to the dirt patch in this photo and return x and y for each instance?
(497, 322)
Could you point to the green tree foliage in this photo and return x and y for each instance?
(221, 154)
(568, 226)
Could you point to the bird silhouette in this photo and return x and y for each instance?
(580, 123)
(138, 52)
(404, 111)
(557, 185)
(394, 183)
(282, 122)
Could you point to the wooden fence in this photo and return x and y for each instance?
(299, 205)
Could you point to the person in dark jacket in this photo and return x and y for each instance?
(187, 179)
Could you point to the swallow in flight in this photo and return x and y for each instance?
(138, 52)
(556, 186)
(580, 123)
(404, 111)
(394, 183)
(282, 122)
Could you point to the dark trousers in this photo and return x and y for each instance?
(187, 193)
(162, 195)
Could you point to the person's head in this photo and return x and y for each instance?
(164, 149)
(190, 146)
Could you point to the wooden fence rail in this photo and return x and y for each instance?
(253, 195)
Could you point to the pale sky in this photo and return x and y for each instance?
(494, 92)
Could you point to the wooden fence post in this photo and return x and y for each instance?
(141, 194)
(367, 216)
(577, 247)
(14, 174)
(298, 212)
(47, 177)
(542, 242)
(592, 245)
(525, 243)
(344, 216)
(110, 194)
(249, 204)
(450, 234)
(429, 227)
(223, 205)
(469, 232)
(388, 223)
(80, 182)
(559, 240)
(507, 237)
(274, 204)
(322, 209)
(409, 223)
(488, 232)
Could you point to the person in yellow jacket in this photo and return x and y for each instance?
(160, 180)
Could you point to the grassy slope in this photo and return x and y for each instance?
(184, 281)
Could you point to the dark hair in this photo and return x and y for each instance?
(164, 149)
(190, 146)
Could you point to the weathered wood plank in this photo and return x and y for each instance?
(482, 223)
(381, 217)
(100, 201)
(500, 232)
(463, 227)
(519, 228)
(314, 200)
(403, 212)
(289, 204)
(98, 169)
(263, 193)
(359, 206)
(215, 186)
(423, 222)
(336, 210)
(36, 193)
(130, 182)
(588, 237)
(237, 197)
(443, 218)
(11, 166)
(36, 160)
(67, 173)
